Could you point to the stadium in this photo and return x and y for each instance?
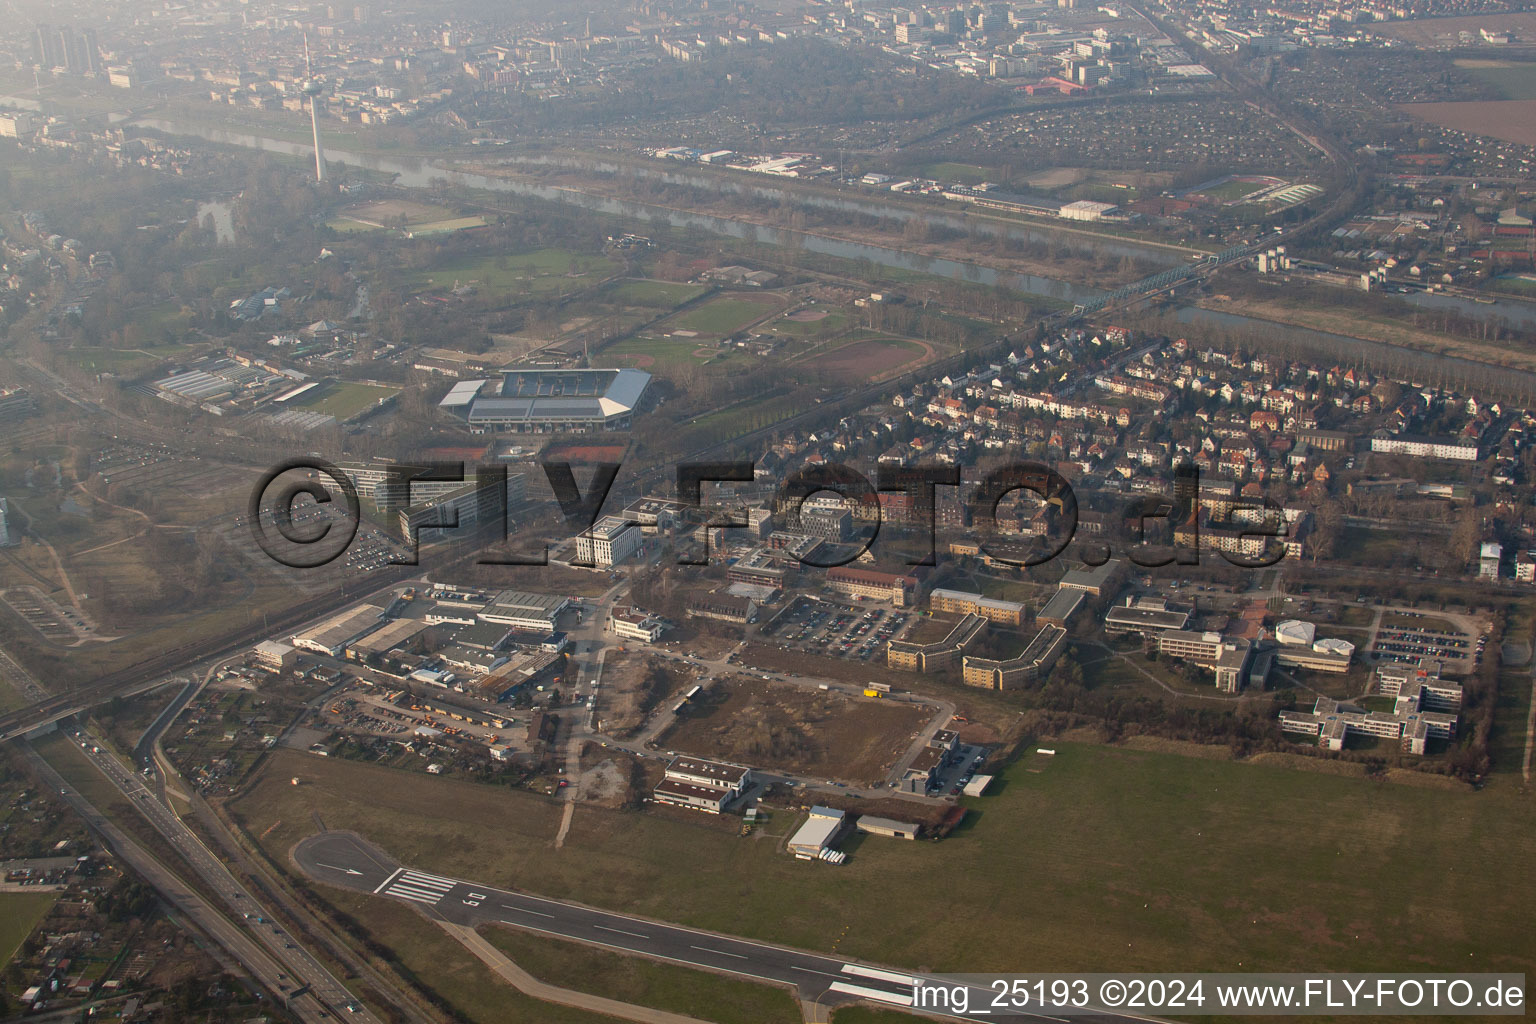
(549, 401)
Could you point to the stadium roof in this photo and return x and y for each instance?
(534, 396)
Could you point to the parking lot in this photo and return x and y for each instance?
(951, 779)
(1409, 644)
(838, 630)
(54, 621)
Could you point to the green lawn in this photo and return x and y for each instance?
(722, 316)
(1512, 80)
(343, 399)
(834, 321)
(652, 294)
(870, 1015)
(966, 174)
(1104, 857)
(633, 979)
(122, 361)
(347, 225)
(439, 963)
(1228, 191)
(543, 270)
(19, 914)
(1513, 284)
(667, 356)
(1506, 746)
(738, 419)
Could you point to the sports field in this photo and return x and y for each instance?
(413, 217)
(652, 294)
(19, 914)
(721, 316)
(671, 356)
(542, 270)
(1511, 79)
(869, 358)
(815, 321)
(1143, 858)
(343, 399)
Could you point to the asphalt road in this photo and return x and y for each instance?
(297, 961)
(348, 860)
(235, 947)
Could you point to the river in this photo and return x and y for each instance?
(418, 173)
(421, 173)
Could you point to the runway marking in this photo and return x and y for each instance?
(417, 886)
(621, 931)
(807, 970)
(720, 952)
(385, 884)
(878, 975)
(523, 910)
(871, 993)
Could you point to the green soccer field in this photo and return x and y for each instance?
(19, 914)
(344, 399)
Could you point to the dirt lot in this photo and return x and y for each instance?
(634, 682)
(1510, 120)
(1432, 33)
(796, 729)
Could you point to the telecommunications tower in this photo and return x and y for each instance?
(311, 87)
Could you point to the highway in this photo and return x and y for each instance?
(237, 948)
(322, 987)
(350, 861)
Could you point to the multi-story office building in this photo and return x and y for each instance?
(610, 541)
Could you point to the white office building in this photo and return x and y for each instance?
(611, 541)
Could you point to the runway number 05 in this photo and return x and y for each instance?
(474, 898)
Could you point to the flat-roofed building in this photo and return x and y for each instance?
(461, 506)
(394, 633)
(1393, 679)
(712, 799)
(821, 831)
(705, 772)
(520, 670)
(271, 656)
(762, 567)
(877, 826)
(525, 611)
(610, 541)
(655, 514)
(484, 636)
(912, 656)
(1029, 666)
(1144, 614)
(333, 635)
(960, 602)
(1409, 723)
(1313, 659)
(923, 773)
(1229, 659)
(702, 784)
